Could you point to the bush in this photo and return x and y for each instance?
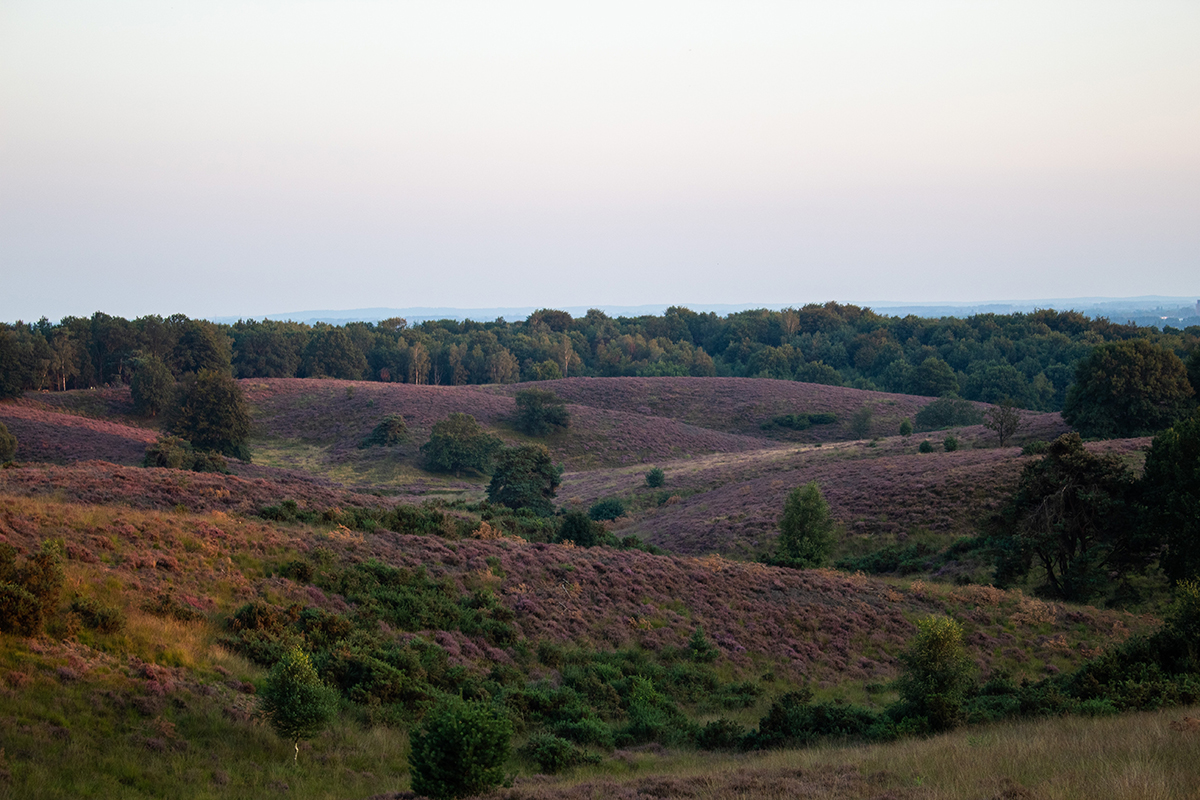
(700, 648)
(1035, 448)
(906, 428)
(97, 616)
(607, 509)
(540, 412)
(553, 754)
(457, 443)
(390, 432)
(8, 444)
(525, 478)
(20, 612)
(925, 447)
(213, 415)
(655, 478)
(948, 412)
(721, 734)
(806, 531)
(298, 704)
(579, 529)
(937, 673)
(459, 749)
(950, 443)
(860, 423)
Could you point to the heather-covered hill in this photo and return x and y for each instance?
(737, 405)
(46, 434)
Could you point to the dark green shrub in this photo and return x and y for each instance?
(721, 734)
(948, 412)
(655, 478)
(20, 612)
(540, 412)
(700, 649)
(290, 511)
(459, 442)
(906, 428)
(98, 617)
(169, 452)
(794, 721)
(925, 446)
(822, 418)
(950, 443)
(210, 461)
(553, 754)
(1036, 447)
(42, 576)
(607, 509)
(390, 432)
(579, 528)
(298, 570)
(860, 422)
(167, 606)
(8, 444)
(588, 729)
(806, 530)
(525, 477)
(459, 749)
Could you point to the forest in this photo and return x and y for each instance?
(1028, 359)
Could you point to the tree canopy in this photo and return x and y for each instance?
(459, 443)
(1172, 496)
(540, 412)
(1131, 388)
(525, 478)
(212, 415)
(806, 530)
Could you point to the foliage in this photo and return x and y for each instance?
(860, 422)
(1072, 513)
(390, 432)
(799, 422)
(607, 509)
(8, 444)
(1130, 388)
(540, 412)
(295, 700)
(937, 673)
(655, 477)
(950, 443)
(525, 478)
(1171, 495)
(97, 616)
(459, 443)
(1004, 419)
(925, 446)
(578, 528)
(213, 415)
(934, 377)
(794, 721)
(806, 530)
(948, 412)
(459, 749)
(152, 387)
(30, 592)
(553, 754)
(173, 452)
(700, 648)
(906, 427)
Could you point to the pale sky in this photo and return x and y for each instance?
(224, 158)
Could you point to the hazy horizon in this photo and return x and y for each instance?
(225, 159)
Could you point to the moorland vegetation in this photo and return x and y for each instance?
(217, 579)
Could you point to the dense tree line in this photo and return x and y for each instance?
(1029, 358)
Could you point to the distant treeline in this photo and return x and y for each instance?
(1029, 358)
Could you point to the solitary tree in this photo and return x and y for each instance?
(937, 673)
(1072, 515)
(459, 749)
(540, 412)
(1130, 388)
(458, 442)
(212, 415)
(1171, 490)
(152, 387)
(525, 477)
(1004, 419)
(295, 700)
(390, 432)
(806, 531)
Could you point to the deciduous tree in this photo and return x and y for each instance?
(459, 442)
(212, 415)
(525, 477)
(1130, 388)
(295, 700)
(806, 530)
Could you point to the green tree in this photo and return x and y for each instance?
(906, 428)
(655, 477)
(1130, 388)
(525, 477)
(1004, 419)
(200, 346)
(1072, 514)
(212, 415)
(578, 528)
(390, 432)
(331, 353)
(948, 412)
(540, 412)
(8, 444)
(937, 673)
(860, 422)
(458, 442)
(608, 508)
(152, 387)
(934, 377)
(1193, 371)
(295, 700)
(460, 749)
(1171, 491)
(806, 530)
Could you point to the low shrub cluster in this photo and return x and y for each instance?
(948, 412)
(173, 452)
(390, 432)
(799, 422)
(30, 591)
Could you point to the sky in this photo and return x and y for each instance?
(243, 158)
